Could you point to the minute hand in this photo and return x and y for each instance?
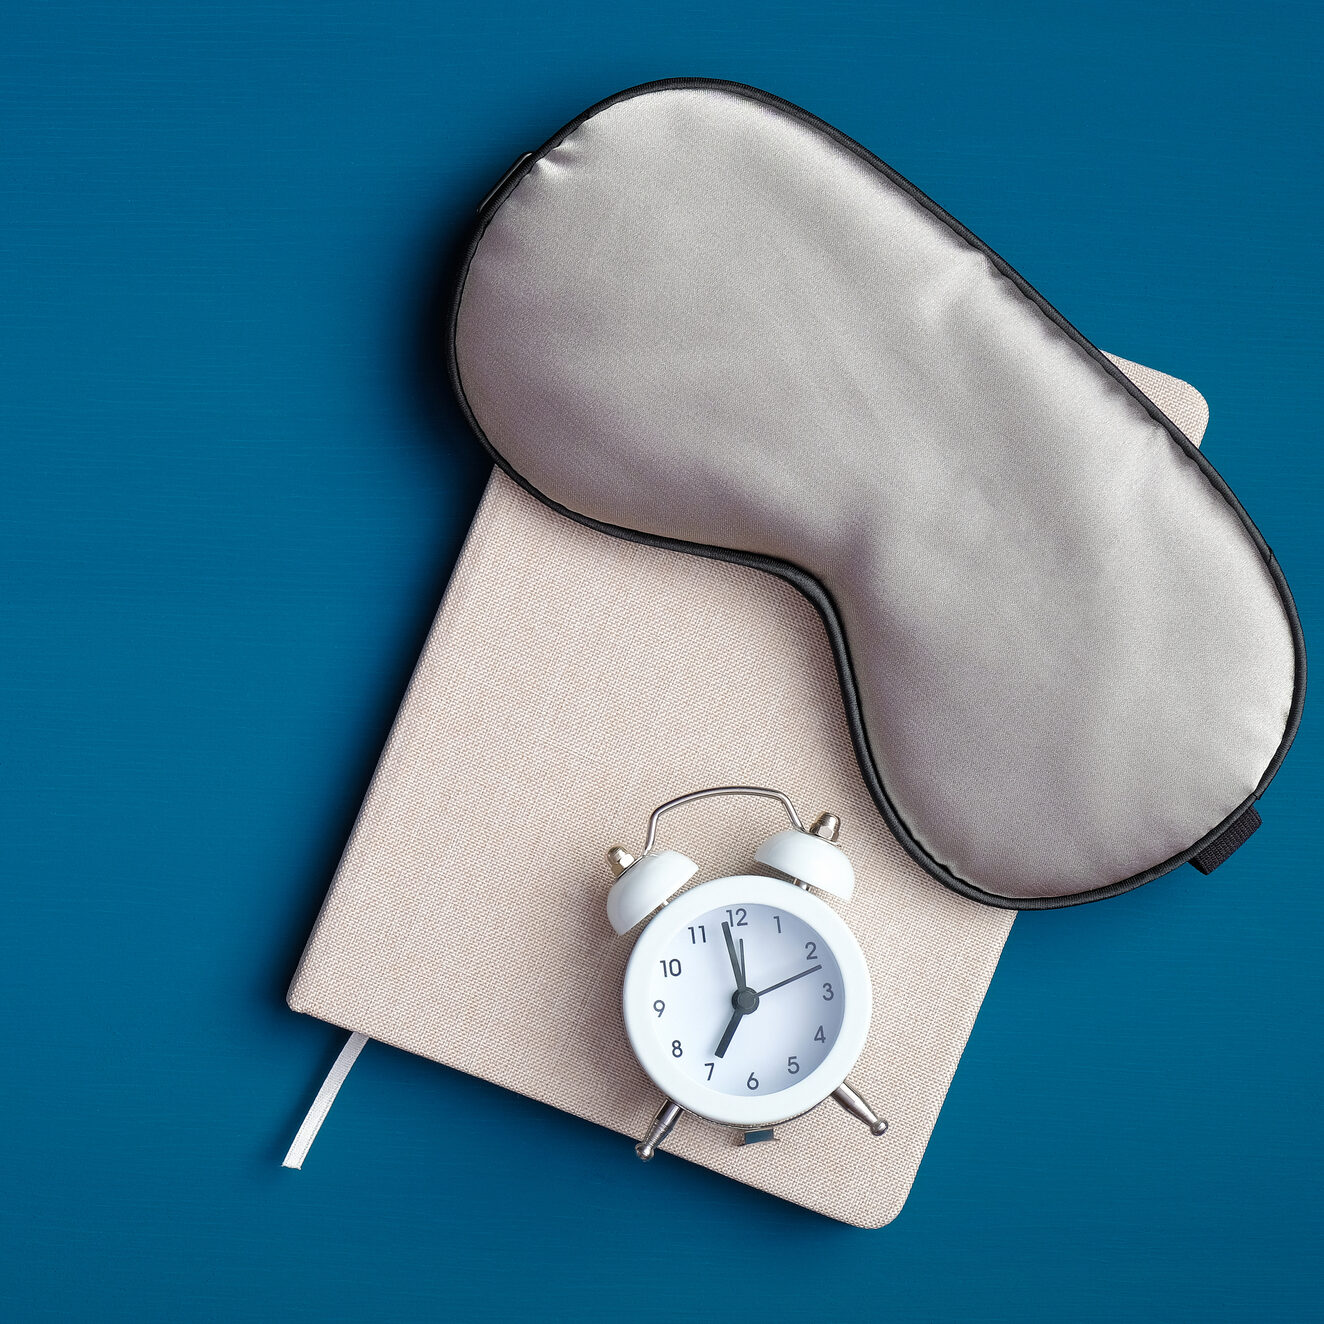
(793, 978)
(737, 962)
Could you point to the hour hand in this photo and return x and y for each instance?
(728, 1034)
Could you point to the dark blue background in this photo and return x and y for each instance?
(229, 499)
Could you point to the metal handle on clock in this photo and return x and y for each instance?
(765, 792)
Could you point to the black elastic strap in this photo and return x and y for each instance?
(1235, 834)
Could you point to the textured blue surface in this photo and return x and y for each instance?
(227, 510)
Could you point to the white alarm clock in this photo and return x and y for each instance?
(747, 999)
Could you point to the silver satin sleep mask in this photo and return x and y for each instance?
(702, 318)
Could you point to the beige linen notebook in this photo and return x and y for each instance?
(572, 682)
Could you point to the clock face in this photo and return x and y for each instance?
(793, 1016)
(747, 1000)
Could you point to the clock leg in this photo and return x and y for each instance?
(857, 1108)
(667, 1117)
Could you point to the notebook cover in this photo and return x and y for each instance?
(570, 683)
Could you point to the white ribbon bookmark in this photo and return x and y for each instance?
(326, 1096)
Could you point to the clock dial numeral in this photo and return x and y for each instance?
(778, 918)
(819, 1036)
(811, 951)
(828, 993)
(710, 1066)
(792, 1065)
(659, 1006)
(738, 918)
(753, 1082)
(670, 968)
(703, 934)
(676, 1049)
